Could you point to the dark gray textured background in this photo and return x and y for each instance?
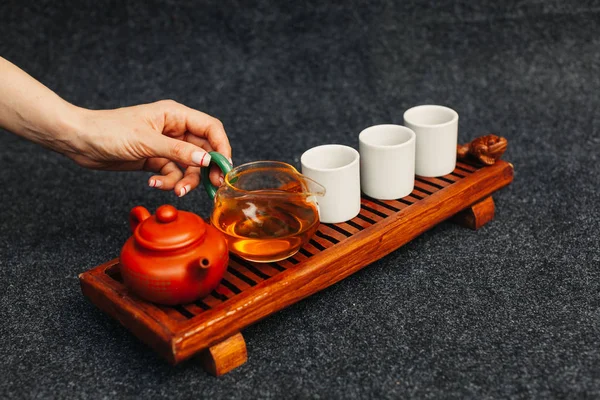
(512, 310)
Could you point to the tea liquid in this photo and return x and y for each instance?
(266, 228)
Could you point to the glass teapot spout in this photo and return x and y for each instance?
(310, 187)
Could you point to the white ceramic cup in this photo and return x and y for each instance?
(387, 161)
(436, 128)
(337, 168)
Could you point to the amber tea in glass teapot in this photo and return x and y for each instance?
(266, 209)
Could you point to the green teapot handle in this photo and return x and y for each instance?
(222, 163)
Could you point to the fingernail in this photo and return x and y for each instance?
(152, 183)
(221, 179)
(184, 190)
(201, 158)
(158, 183)
(230, 160)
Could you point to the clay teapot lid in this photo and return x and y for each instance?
(170, 229)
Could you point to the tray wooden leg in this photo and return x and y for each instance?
(225, 356)
(477, 215)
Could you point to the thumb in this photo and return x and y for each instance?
(179, 151)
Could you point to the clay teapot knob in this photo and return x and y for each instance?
(166, 213)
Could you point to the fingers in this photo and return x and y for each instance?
(188, 136)
(172, 178)
(216, 137)
(191, 180)
(179, 151)
(183, 118)
(169, 173)
(216, 175)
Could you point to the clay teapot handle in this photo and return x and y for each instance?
(222, 163)
(136, 215)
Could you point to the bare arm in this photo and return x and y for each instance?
(154, 137)
(33, 111)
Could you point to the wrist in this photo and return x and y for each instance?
(66, 127)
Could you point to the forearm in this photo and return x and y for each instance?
(31, 110)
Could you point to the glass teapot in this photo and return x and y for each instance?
(266, 209)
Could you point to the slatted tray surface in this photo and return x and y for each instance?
(250, 291)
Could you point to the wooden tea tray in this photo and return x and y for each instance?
(252, 291)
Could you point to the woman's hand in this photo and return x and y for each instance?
(159, 137)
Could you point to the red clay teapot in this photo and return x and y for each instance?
(173, 257)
